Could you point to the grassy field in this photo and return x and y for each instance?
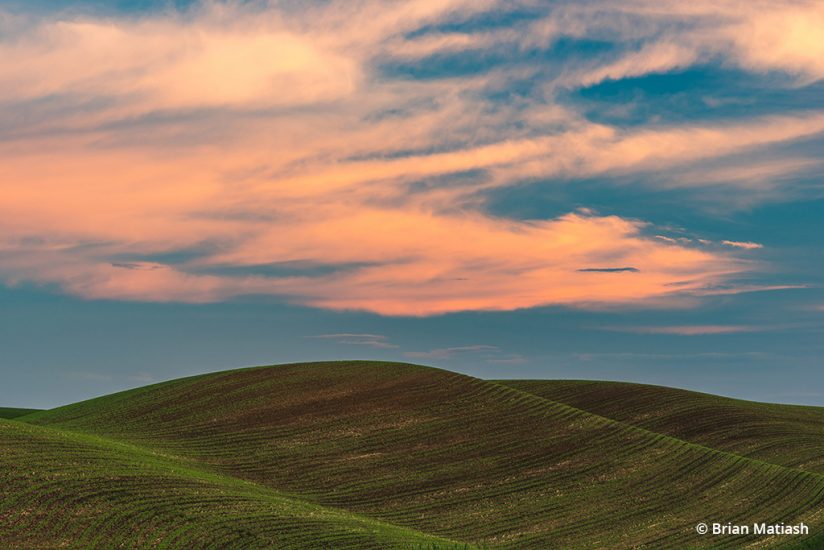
(364, 454)
(8, 412)
(789, 435)
(64, 489)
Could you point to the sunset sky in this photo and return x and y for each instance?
(622, 190)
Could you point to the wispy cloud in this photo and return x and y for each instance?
(448, 353)
(482, 352)
(692, 330)
(609, 270)
(746, 245)
(145, 266)
(507, 360)
(611, 356)
(371, 340)
(294, 135)
(741, 288)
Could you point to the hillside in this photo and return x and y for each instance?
(62, 489)
(789, 435)
(421, 449)
(8, 412)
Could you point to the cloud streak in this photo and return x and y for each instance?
(448, 353)
(609, 270)
(746, 245)
(370, 340)
(692, 330)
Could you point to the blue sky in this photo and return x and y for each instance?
(508, 189)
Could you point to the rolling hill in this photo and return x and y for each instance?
(8, 412)
(789, 435)
(63, 489)
(365, 454)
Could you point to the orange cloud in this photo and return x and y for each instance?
(783, 37)
(407, 261)
(162, 65)
(247, 139)
(759, 35)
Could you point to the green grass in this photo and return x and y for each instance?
(9, 412)
(377, 454)
(789, 435)
(69, 489)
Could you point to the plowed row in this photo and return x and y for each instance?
(789, 435)
(419, 450)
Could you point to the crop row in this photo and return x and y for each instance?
(449, 455)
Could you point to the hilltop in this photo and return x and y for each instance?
(365, 454)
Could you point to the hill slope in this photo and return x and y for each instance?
(453, 456)
(66, 489)
(8, 412)
(789, 435)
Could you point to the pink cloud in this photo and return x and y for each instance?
(743, 244)
(784, 37)
(265, 179)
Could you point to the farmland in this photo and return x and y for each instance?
(7, 412)
(378, 455)
(789, 435)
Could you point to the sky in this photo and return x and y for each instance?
(510, 189)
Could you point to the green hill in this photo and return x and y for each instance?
(789, 435)
(365, 454)
(64, 489)
(7, 412)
